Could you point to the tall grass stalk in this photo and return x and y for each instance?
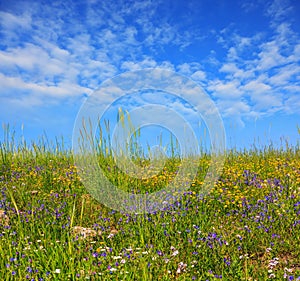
(245, 228)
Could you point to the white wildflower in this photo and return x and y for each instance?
(175, 253)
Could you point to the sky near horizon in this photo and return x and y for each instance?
(244, 54)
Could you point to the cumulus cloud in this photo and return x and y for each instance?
(225, 90)
(61, 58)
(261, 75)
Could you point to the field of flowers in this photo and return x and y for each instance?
(246, 228)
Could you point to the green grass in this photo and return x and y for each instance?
(246, 228)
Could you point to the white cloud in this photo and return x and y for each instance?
(61, 59)
(278, 9)
(199, 76)
(229, 68)
(132, 66)
(30, 58)
(249, 6)
(234, 72)
(40, 91)
(190, 68)
(257, 87)
(225, 90)
(269, 103)
(236, 110)
(270, 56)
(292, 104)
(285, 75)
(262, 71)
(10, 21)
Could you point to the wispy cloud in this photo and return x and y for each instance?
(261, 74)
(278, 9)
(63, 57)
(59, 52)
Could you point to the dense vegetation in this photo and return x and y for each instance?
(246, 228)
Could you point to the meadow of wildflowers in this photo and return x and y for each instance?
(246, 228)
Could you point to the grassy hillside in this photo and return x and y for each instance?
(246, 228)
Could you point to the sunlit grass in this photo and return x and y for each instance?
(246, 228)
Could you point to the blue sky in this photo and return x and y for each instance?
(244, 54)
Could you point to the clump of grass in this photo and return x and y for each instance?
(246, 228)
